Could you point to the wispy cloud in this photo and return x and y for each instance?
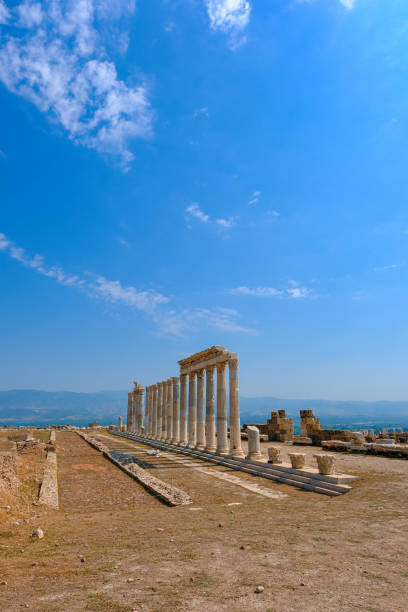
(110, 291)
(291, 292)
(254, 198)
(183, 322)
(171, 322)
(203, 112)
(56, 59)
(230, 17)
(194, 211)
(390, 267)
(4, 12)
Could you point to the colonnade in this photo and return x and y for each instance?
(191, 409)
(134, 421)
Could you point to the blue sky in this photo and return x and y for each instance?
(182, 173)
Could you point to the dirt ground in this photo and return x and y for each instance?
(114, 547)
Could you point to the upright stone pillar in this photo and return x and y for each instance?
(154, 419)
(183, 409)
(192, 409)
(169, 410)
(164, 412)
(140, 399)
(200, 411)
(234, 414)
(159, 409)
(149, 411)
(254, 444)
(176, 411)
(210, 411)
(222, 426)
(120, 423)
(129, 412)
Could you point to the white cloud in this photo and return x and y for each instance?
(201, 111)
(254, 198)
(114, 291)
(226, 223)
(229, 17)
(257, 291)
(292, 293)
(186, 321)
(389, 267)
(56, 59)
(195, 211)
(170, 322)
(4, 12)
(110, 291)
(298, 292)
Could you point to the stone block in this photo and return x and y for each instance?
(274, 455)
(297, 460)
(325, 463)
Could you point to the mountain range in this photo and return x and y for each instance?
(32, 407)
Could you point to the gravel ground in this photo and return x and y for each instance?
(113, 546)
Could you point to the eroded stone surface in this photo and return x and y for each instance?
(274, 455)
(325, 463)
(297, 460)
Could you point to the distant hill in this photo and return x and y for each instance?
(31, 407)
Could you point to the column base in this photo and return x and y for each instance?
(199, 447)
(238, 453)
(182, 443)
(222, 451)
(254, 457)
(210, 449)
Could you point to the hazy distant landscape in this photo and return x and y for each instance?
(30, 407)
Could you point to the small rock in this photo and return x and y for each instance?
(22, 549)
(259, 589)
(16, 523)
(302, 584)
(160, 529)
(242, 547)
(130, 580)
(192, 579)
(82, 558)
(220, 525)
(5, 507)
(4, 582)
(180, 575)
(38, 533)
(34, 563)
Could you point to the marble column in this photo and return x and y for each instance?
(234, 414)
(129, 412)
(139, 411)
(210, 411)
(164, 412)
(176, 410)
(149, 412)
(159, 409)
(254, 444)
(200, 411)
(192, 409)
(183, 409)
(169, 410)
(222, 427)
(120, 423)
(154, 415)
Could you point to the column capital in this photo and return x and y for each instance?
(200, 373)
(175, 379)
(210, 368)
(233, 363)
(221, 366)
(192, 375)
(183, 376)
